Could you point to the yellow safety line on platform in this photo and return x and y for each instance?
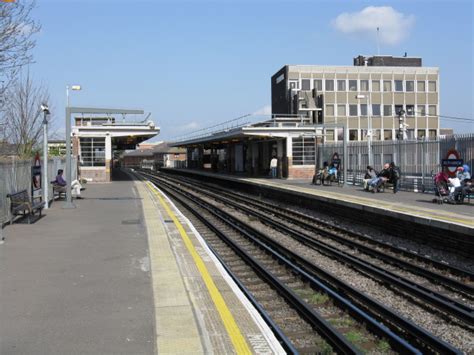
(233, 330)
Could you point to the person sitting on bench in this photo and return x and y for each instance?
(75, 185)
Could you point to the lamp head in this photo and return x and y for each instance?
(45, 108)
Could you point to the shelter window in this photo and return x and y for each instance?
(303, 151)
(329, 135)
(93, 151)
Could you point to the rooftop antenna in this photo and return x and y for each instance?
(378, 45)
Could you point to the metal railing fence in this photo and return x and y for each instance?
(417, 160)
(15, 175)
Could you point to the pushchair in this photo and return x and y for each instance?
(441, 189)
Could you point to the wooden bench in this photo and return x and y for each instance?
(21, 205)
(59, 191)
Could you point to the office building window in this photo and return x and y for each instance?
(341, 110)
(432, 110)
(294, 85)
(376, 134)
(352, 85)
(387, 135)
(340, 134)
(318, 84)
(410, 134)
(398, 85)
(364, 85)
(375, 85)
(352, 110)
(93, 151)
(410, 110)
(410, 85)
(398, 108)
(420, 86)
(421, 110)
(421, 134)
(387, 110)
(341, 85)
(353, 136)
(363, 135)
(329, 83)
(432, 86)
(432, 134)
(376, 110)
(387, 85)
(363, 109)
(329, 110)
(305, 84)
(329, 135)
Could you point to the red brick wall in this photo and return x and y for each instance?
(295, 172)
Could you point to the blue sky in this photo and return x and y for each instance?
(195, 63)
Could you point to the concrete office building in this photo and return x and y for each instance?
(369, 94)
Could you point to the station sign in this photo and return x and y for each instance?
(452, 162)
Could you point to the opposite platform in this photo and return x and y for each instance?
(408, 206)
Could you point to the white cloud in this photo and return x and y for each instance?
(393, 26)
(265, 110)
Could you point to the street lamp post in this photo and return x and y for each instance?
(369, 126)
(45, 179)
(69, 203)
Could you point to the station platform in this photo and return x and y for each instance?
(410, 205)
(123, 273)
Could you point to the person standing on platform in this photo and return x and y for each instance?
(394, 177)
(274, 166)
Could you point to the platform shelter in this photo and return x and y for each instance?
(248, 149)
(98, 137)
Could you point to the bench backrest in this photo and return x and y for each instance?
(19, 197)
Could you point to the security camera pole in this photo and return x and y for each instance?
(45, 179)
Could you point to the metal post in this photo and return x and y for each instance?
(45, 161)
(68, 204)
(344, 148)
(369, 129)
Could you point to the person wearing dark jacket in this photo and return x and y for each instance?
(394, 176)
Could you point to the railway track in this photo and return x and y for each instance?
(448, 305)
(377, 318)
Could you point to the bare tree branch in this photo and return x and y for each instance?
(23, 114)
(16, 41)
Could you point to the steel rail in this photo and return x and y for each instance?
(384, 314)
(442, 302)
(441, 265)
(433, 276)
(418, 335)
(460, 310)
(335, 339)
